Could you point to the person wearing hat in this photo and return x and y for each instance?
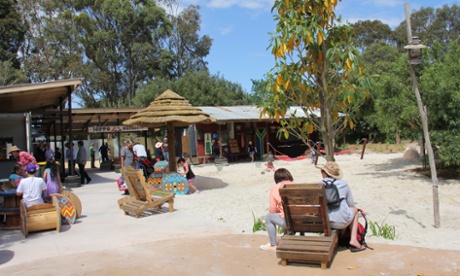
(158, 152)
(165, 148)
(22, 157)
(31, 188)
(127, 154)
(347, 214)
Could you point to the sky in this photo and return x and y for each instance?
(240, 31)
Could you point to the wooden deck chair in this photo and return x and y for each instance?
(306, 213)
(141, 198)
(40, 217)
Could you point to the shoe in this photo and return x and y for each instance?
(88, 181)
(356, 249)
(268, 247)
(196, 192)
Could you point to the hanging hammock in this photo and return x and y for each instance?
(281, 156)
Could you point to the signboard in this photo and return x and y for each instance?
(111, 129)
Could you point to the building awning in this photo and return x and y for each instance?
(38, 96)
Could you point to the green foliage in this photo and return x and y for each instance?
(199, 88)
(317, 68)
(440, 87)
(12, 32)
(382, 229)
(10, 75)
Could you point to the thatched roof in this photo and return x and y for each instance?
(169, 108)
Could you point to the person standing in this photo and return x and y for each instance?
(275, 214)
(164, 149)
(81, 161)
(71, 153)
(140, 152)
(39, 152)
(49, 152)
(104, 150)
(31, 188)
(127, 154)
(92, 154)
(52, 179)
(252, 150)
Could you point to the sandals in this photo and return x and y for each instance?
(356, 249)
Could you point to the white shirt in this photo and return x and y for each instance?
(139, 150)
(31, 189)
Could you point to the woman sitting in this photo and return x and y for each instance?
(52, 179)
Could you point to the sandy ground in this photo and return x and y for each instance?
(211, 233)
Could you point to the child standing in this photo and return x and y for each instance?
(186, 171)
(52, 179)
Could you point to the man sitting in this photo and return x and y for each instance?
(31, 188)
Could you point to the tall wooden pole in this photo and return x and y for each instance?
(426, 133)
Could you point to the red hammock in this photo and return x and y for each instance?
(287, 158)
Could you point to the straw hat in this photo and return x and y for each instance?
(14, 148)
(332, 169)
(158, 145)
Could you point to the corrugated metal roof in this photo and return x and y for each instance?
(245, 113)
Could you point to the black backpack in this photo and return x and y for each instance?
(332, 194)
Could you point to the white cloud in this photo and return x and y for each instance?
(225, 30)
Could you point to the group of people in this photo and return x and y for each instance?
(33, 189)
(346, 215)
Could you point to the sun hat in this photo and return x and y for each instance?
(31, 168)
(158, 145)
(14, 148)
(332, 169)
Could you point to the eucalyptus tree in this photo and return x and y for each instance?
(50, 50)
(186, 49)
(317, 68)
(123, 43)
(12, 30)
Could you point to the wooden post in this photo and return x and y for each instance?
(171, 147)
(364, 148)
(426, 134)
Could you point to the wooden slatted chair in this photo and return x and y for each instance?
(40, 217)
(306, 213)
(141, 197)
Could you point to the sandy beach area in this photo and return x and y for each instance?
(382, 184)
(211, 233)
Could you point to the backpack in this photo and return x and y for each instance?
(344, 237)
(332, 194)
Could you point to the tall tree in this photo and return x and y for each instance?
(50, 50)
(123, 44)
(367, 33)
(316, 68)
(12, 30)
(187, 49)
(441, 24)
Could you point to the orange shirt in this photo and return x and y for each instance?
(275, 199)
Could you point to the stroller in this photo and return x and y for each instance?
(147, 167)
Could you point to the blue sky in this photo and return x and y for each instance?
(240, 28)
